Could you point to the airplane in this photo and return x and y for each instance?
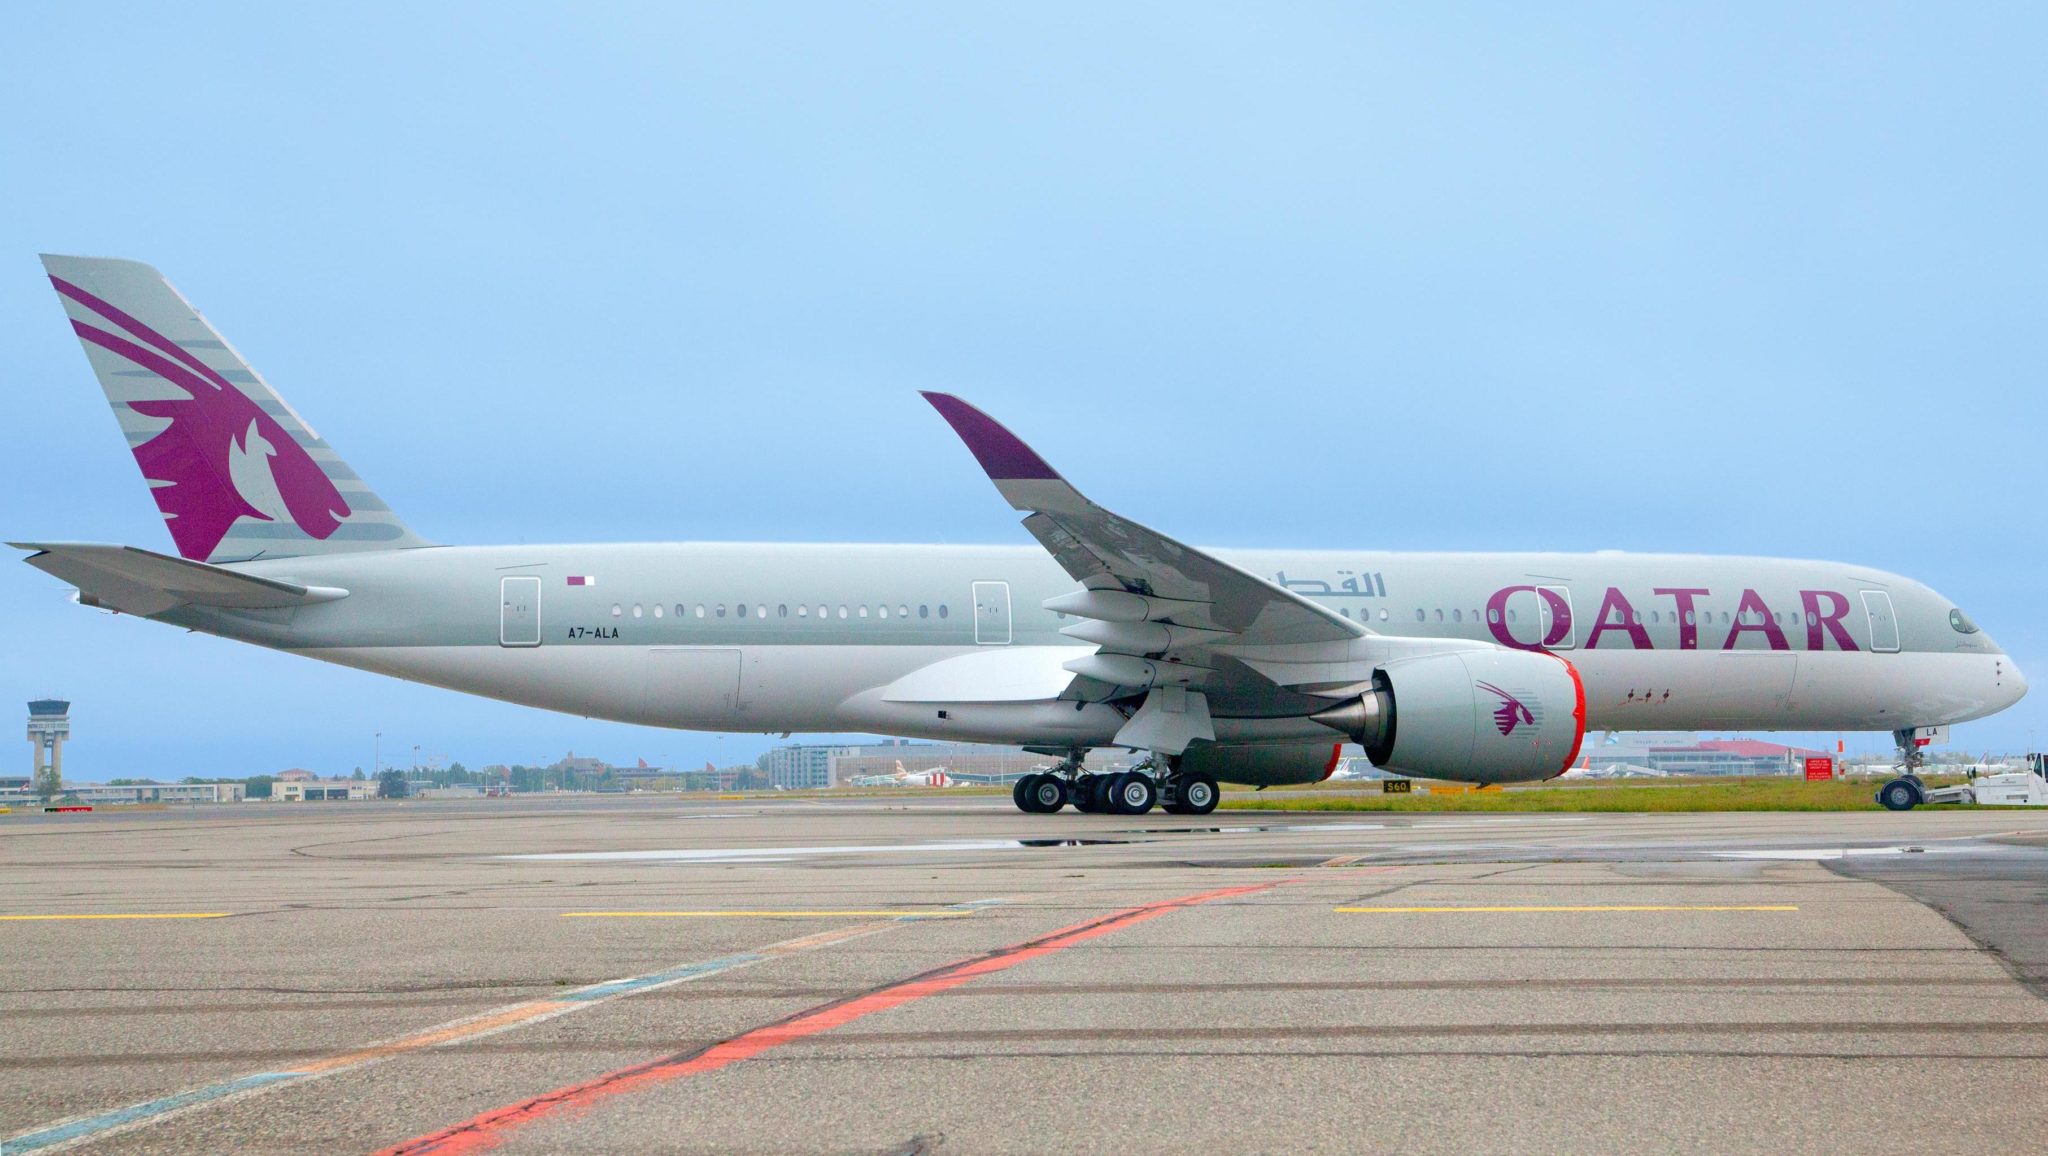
(1586, 770)
(1242, 666)
(935, 777)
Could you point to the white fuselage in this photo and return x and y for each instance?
(844, 638)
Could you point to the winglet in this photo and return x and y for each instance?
(1001, 453)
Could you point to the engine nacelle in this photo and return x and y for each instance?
(1262, 764)
(1475, 716)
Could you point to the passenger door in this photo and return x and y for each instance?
(992, 613)
(519, 612)
(1884, 625)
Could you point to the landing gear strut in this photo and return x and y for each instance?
(1907, 791)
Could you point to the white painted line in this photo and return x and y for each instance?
(1816, 854)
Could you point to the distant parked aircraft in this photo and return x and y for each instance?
(934, 777)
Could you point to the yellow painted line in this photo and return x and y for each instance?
(1573, 907)
(482, 1025)
(126, 915)
(943, 914)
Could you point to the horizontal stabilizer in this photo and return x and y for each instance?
(143, 583)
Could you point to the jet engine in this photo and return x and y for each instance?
(1475, 716)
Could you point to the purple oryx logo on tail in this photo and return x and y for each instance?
(1511, 713)
(221, 457)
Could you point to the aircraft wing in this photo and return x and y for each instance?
(142, 582)
(1220, 603)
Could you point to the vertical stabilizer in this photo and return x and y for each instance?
(235, 471)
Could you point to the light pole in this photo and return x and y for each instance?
(377, 756)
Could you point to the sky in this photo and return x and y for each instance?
(1748, 279)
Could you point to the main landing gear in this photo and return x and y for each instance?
(1154, 782)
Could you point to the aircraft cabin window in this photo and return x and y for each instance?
(636, 610)
(617, 610)
(1493, 616)
(1961, 622)
(1654, 620)
(942, 610)
(803, 612)
(782, 610)
(824, 611)
(882, 611)
(700, 610)
(1383, 614)
(721, 610)
(863, 610)
(1689, 618)
(924, 610)
(842, 610)
(1421, 614)
(1457, 616)
(657, 610)
(1439, 614)
(904, 611)
(740, 610)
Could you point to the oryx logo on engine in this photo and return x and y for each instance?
(1511, 713)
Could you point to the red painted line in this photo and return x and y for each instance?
(490, 1129)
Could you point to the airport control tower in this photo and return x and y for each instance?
(49, 724)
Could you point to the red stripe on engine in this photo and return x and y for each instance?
(1578, 715)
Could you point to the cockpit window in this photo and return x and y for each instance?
(1961, 622)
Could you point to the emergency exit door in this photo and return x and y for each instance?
(519, 612)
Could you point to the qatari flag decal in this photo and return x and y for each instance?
(582, 580)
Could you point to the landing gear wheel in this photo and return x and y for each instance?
(1900, 794)
(1198, 794)
(1048, 793)
(1020, 794)
(1131, 794)
(1087, 795)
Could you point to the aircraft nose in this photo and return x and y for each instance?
(2011, 681)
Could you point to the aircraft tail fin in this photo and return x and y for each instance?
(237, 473)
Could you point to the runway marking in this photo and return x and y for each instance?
(1816, 854)
(941, 914)
(488, 1130)
(122, 915)
(70, 1133)
(1569, 907)
(762, 854)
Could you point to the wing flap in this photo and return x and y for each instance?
(142, 582)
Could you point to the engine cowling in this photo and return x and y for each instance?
(1475, 716)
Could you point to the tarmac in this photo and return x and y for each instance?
(938, 974)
